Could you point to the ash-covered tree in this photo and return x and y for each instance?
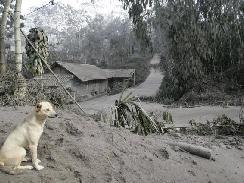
(6, 31)
(5, 6)
(20, 87)
(199, 40)
(103, 42)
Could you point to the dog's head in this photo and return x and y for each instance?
(45, 109)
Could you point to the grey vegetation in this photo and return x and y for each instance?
(200, 44)
(39, 40)
(5, 12)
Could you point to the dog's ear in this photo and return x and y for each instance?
(38, 107)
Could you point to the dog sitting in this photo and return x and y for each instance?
(26, 135)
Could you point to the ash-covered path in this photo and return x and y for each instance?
(151, 85)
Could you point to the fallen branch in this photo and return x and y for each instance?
(193, 149)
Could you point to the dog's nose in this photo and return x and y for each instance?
(56, 115)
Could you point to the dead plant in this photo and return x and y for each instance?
(128, 113)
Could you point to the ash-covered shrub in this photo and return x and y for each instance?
(56, 96)
(222, 125)
(8, 85)
(35, 93)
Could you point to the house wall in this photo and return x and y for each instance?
(84, 89)
(93, 87)
(113, 82)
(99, 86)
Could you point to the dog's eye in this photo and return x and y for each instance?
(47, 109)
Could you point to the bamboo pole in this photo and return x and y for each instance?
(17, 37)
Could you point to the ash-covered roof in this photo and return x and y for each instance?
(84, 72)
(49, 80)
(120, 73)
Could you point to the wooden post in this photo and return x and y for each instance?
(135, 78)
(41, 83)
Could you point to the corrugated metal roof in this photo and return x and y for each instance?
(84, 72)
(120, 73)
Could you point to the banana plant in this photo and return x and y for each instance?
(128, 113)
(39, 40)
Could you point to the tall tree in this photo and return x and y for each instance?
(3, 35)
(17, 37)
(20, 88)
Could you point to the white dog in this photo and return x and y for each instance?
(26, 135)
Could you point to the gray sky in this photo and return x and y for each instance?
(105, 7)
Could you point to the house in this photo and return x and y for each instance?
(84, 80)
(122, 76)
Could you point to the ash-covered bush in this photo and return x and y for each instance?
(35, 93)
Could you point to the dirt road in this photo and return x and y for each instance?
(147, 88)
(181, 116)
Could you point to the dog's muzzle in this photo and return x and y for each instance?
(53, 115)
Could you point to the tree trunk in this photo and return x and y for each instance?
(17, 37)
(2, 36)
(20, 87)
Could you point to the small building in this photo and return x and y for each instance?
(84, 80)
(125, 77)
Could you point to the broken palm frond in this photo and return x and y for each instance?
(220, 126)
(164, 120)
(129, 113)
(39, 40)
(167, 116)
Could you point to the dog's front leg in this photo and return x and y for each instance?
(29, 159)
(35, 161)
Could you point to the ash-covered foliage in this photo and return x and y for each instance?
(35, 93)
(200, 42)
(219, 126)
(39, 40)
